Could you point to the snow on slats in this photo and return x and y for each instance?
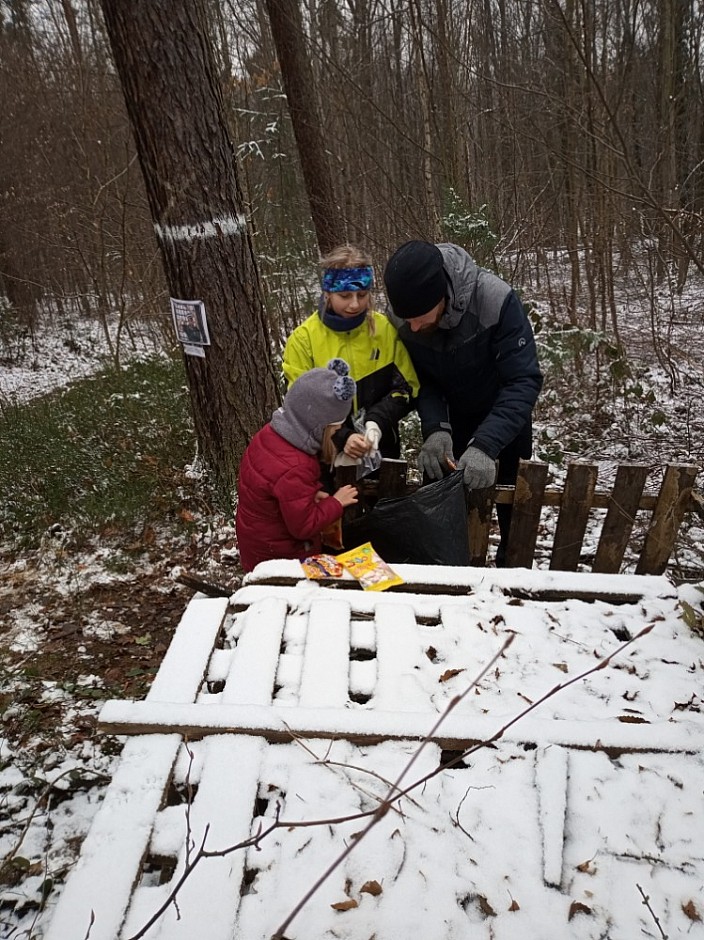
(398, 651)
(551, 770)
(325, 676)
(186, 659)
(479, 579)
(208, 900)
(279, 722)
(100, 885)
(255, 660)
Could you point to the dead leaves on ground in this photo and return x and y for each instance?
(450, 674)
(369, 887)
(347, 905)
(576, 907)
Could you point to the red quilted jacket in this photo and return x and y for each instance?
(277, 515)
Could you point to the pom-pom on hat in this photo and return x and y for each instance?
(415, 279)
(316, 399)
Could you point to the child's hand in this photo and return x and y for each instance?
(356, 445)
(346, 495)
(320, 495)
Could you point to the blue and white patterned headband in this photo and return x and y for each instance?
(336, 280)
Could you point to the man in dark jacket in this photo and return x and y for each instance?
(473, 348)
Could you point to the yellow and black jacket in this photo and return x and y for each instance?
(378, 361)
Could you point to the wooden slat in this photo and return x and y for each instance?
(623, 506)
(480, 504)
(672, 504)
(224, 804)
(397, 652)
(327, 641)
(527, 504)
(183, 668)
(281, 723)
(97, 883)
(551, 779)
(136, 792)
(574, 513)
(260, 642)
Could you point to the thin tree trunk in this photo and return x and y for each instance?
(299, 85)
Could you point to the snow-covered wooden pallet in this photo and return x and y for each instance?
(302, 702)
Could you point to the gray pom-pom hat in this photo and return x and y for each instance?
(316, 399)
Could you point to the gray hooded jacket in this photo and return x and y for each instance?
(479, 369)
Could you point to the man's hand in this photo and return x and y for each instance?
(479, 469)
(436, 456)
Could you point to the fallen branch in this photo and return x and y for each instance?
(206, 587)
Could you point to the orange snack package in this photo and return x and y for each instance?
(317, 567)
(368, 568)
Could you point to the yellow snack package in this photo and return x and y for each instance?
(368, 568)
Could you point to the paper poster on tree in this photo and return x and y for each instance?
(191, 325)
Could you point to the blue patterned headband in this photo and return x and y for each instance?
(336, 280)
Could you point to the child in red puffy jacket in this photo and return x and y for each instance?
(281, 506)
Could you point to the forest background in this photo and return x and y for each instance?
(527, 131)
(560, 141)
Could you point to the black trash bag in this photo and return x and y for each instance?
(429, 527)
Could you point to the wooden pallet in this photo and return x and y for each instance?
(263, 698)
(577, 505)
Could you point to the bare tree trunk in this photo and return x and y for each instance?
(297, 77)
(166, 65)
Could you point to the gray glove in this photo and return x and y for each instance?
(435, 454)
(479, 469)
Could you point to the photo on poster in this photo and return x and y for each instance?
(190, 322)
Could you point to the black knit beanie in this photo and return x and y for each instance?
(415, 279)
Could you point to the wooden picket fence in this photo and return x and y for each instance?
(663, 513)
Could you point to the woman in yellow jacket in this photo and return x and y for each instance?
(346, 327)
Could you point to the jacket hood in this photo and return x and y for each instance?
(462, 273)
(316, 399)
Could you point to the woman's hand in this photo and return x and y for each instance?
(346, 495)
(356, 445)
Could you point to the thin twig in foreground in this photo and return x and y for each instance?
(392, 794)
(397, 794)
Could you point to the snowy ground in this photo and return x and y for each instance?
(112, 630)
(64, 352)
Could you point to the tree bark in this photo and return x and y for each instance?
(166, 66)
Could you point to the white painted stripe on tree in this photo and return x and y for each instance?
(226, 225)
